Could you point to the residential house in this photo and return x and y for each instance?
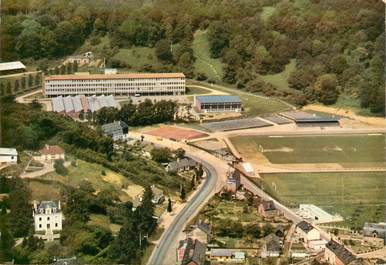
(181, 165)
(226, 255)
(79, 59)
(336, 254)
(272, 246)
(118, 130)
(202, 231)
(8, 156)
(48, 218)
(267, 208)
(307, 232)
(158, 195)
(191, 252)
(50, 153)
(233, 181)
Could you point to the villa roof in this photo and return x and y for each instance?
(51, 150)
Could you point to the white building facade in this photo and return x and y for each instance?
(8, 156)
(115, 84)
(48, 218)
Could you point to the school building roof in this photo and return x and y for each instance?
(218, 99)
(116, 76)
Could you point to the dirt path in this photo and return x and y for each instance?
(375, 121)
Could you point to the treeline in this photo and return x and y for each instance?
(19, 85)
(144, 113)
(337, 45)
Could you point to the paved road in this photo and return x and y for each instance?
(168, 241)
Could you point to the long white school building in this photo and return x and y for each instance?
(117, 84)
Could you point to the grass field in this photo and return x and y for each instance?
(212, 68)
(253, 104)
(197, 91)
(137, 57)
(280, 80)
(358, 196)
(347, 150)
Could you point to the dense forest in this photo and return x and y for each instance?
(338, 45)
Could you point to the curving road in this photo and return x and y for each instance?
(167, 243)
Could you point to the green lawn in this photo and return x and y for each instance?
(104, 221)
(253, 104)
(212, 68)
(280, 80)
(137, 57)
(196, 91)
(348, 150)
(357, 196)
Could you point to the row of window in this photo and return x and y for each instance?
(115, 84)
(116, 80)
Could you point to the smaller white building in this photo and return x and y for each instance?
(307, 232)
(8, 156)
(48, 218)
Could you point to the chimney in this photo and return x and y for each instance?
(59, 207)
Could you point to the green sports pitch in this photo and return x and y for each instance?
(347, 150)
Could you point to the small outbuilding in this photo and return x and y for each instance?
(12, 68)
(118, 130)
(8, 156)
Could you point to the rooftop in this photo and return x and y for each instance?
(11, 66)
(341, 252)
(110, 128)
(218, 99)
(51, 150)
(115, 76)
(268, 205)
(306, 227)
(8, 152)
(184, 162)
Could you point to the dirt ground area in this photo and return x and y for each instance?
(375, 121)
(133, 190)
(113, 178)
(176, 134)
(211, 144)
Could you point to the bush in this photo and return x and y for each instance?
(60, 168)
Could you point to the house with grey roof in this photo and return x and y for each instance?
(267, 208)
(118, 130)
(180, 165)
(191, 252)
(272, 246)
(48, 218)
(336, 253)
(226, 255)
(8, 156)
(306, 232)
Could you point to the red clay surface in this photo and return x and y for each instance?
(176, 134)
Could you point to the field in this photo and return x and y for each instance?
(176, 134)
(253, 104)
(358, 196)
(212, 68)
(347, 150)
(137, 57)
(193, 90)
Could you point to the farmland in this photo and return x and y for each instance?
(347, 150)
(358, 196)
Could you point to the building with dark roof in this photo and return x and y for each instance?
(181, 165)
(305, 119)
(191, 252)
(48, 219)
(336, 254)
(272, 246)
(222, 103)
(267, 208)
(306, 232)
(118, 130)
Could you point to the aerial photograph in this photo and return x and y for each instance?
(192, 132)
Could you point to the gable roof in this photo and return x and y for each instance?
(111, 128)
(305, 227)
(268, 205)
(51, 150)
(194, 252)
(184, 162)
(205, 227)
(342, 253)
(8, 152)
(272, 243)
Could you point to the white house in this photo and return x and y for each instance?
(307, 232)
(48, 218)
(8, 156)
(50, 153)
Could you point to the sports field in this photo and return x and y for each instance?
(358, 196)
(347, 150)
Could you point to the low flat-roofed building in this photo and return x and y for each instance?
(221, 103)
(131, 84)
(118, 130)
(8, 156)
(305, 119)
(226, 255)
(12, 68)
(317, 215)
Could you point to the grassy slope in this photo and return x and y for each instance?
(341, 193)
(279, 80)
(253, 104)
(212, 68)
(137, 57)
(348, 150)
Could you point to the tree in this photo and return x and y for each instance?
(146, 212)
(60, 168)
(16, 86)
(182, 193)
(6, 243)
(8, 88)
(23, 83)
(180, 153)
(169, 209)
(193, 182)
(326, 87)
(30, 81)
(161, 155)
(124, 249)
(162, 50)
